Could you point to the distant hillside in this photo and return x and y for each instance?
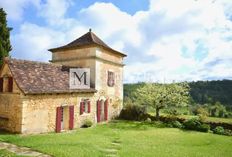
(201, 91)
(212, 91)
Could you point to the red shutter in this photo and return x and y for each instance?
(71, 117)
(58, 119)
(82, 107)
(1, 84)
(10, 84)
(98, 111)
(113, 79)
(108, 80)
(89, 107)
(106, 109)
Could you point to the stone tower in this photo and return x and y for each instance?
(105, 63)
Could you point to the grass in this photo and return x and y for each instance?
(130, 139)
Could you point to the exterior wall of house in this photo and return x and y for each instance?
(39, 111)
(78, 58)
(100, 61)
(10, 104)
(113, 94)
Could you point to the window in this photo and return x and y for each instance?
(85, 106)
(110, 80)
(6, 84)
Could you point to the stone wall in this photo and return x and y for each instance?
(39, 111)
(115, 93)
(10, 104)
(10, 112)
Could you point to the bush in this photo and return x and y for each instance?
(177, 124)
(174, 124)
(195, 124)
(203, 128)
(87, 123)
(133, 112)
(219, 130)
(192, 124)
(228, 132)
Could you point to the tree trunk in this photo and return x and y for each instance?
(157, 113)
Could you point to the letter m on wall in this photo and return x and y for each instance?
(79, 78)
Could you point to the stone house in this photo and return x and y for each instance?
(35, 97)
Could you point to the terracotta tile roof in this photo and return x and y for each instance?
(87, 39)
(38, 77)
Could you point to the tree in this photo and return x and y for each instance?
(5, 46)
(159, 96)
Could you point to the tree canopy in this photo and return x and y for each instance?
(159, 96)
(5, 46)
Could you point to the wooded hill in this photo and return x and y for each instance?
(202, 92)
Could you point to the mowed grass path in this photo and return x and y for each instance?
(127, 139)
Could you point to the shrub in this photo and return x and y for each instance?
(87, 123)
(177, 124)
(195, 124)
(133, 112)
(192, 124)
(219, 130)
(203, 128)
(174, 124)
(228, 132)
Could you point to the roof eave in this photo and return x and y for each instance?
(53, 50)
(62, 92)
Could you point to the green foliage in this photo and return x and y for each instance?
(192, 124)
(219, 130)
(210, 92)
(175, 124)
(203, 128)
(159, 96)
(195, 124)
(228, 132)
(133, 112)
(213, 96)
(5, 46)
(87, 123)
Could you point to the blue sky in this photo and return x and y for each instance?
(181, 40)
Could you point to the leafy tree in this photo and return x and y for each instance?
(5, 46)
(159, 96)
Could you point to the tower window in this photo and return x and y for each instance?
(111, 79)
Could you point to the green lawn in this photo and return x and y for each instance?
(130, 139)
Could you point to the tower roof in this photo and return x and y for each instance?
(87, 39)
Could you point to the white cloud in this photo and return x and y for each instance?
(33, 41)
(185, 40)
(15, 8)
